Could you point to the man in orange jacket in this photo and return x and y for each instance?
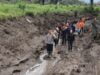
(81, 25)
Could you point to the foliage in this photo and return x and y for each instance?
(46, 1)
(22, 6)
(7, 10)
(14, 10)
(93, 11)
(29, 13)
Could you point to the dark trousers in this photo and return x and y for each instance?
(56, 41)
(64, 40)
(81, 32)
(49, 49)
(70, 44)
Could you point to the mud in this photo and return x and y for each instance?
(21, 45)
(21, 41)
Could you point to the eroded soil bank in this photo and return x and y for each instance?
(21, 44)
(21, 41)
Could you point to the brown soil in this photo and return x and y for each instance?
(21, 44)
(21, 41)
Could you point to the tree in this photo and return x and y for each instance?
(54, 1)
(43, 2)
(68, 2)
(91, 3)
(40, 1)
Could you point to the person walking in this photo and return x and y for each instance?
(80, 26)
(94, 29)
(64, 34)
(49, 41)
(56, 36)
(71, 36)
(71, 39)
(83, 24)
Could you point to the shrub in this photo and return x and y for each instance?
(87, 10)
(93, 11)
(22, 6)
(6, 10)
(29, 13)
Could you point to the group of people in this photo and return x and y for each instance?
(64, 32)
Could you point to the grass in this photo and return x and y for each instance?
(12, 10)
(20, 9)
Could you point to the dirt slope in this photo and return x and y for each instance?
(20, 41)
(84, 60)
(21, 44)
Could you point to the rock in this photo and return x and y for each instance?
(78, 71)
(16, 71)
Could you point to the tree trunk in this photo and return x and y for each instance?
(43, 2)
(91, 3)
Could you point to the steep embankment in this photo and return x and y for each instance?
(21, 44)
(21, 41)
(83, 60)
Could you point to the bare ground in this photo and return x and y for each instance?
(21, 44)
(84, 60)
(21, 41)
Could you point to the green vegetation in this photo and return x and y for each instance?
(11, 10)
(66, 2)
(21, 9)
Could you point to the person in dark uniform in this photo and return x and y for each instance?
(64, 35)
(71, 37)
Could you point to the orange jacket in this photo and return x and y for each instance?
(80, 24)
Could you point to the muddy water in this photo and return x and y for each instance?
(76, 62)
(38, 69)
(41, 68)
